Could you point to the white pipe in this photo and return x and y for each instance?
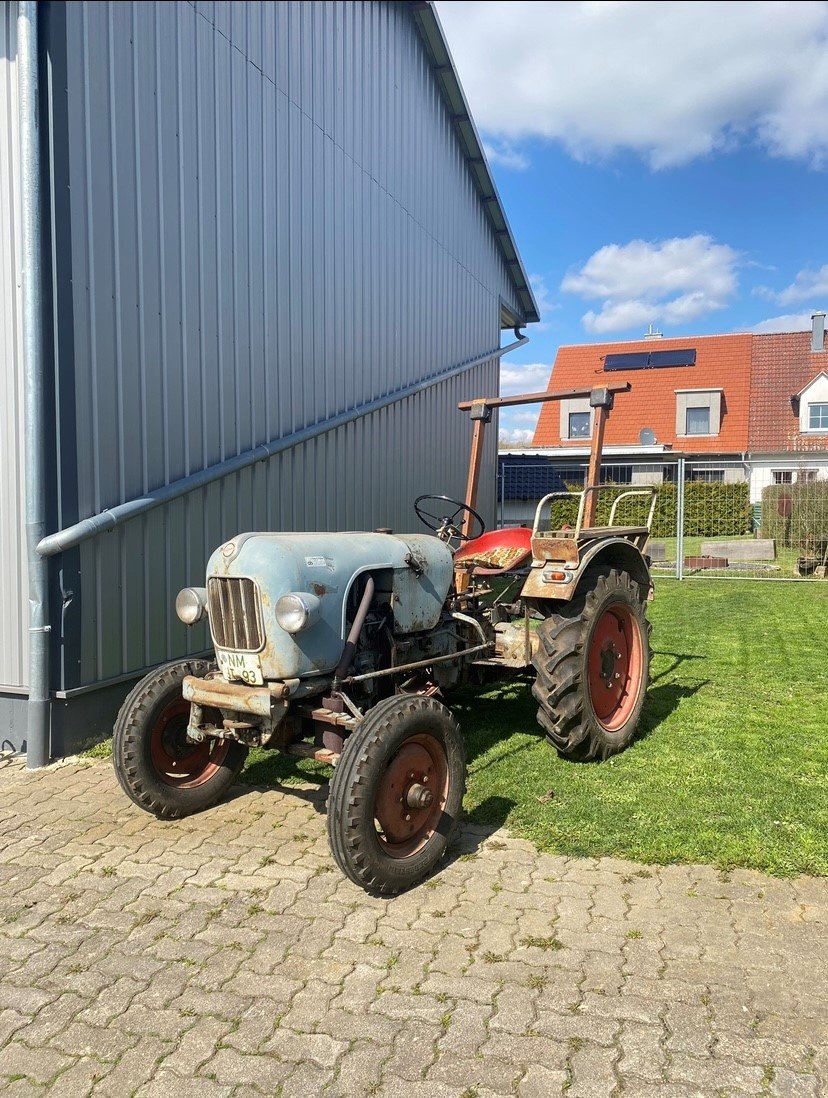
(37, 741)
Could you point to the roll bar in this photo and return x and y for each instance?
(480, 413)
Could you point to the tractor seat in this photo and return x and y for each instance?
(497, 551)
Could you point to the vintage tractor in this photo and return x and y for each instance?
(341, 647)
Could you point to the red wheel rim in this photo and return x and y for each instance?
(411, 796)
(615, 666)
(175, 760)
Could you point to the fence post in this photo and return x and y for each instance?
(680, 520)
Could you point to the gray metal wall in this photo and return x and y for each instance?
(13, 648)
(271, 221)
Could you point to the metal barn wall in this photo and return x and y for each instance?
(271, 222)
(13, 581)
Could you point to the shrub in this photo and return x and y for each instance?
(797, 515)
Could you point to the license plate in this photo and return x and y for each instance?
(241, 666)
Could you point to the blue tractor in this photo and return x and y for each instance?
(344, 646)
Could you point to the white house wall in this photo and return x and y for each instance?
(762, 469)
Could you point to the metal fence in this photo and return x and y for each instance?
(713, 519)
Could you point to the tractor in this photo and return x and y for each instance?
(343, 647)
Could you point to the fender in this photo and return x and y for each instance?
(614, 552)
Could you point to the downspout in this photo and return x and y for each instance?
(37, 753)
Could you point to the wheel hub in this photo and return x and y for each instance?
(411, 796)
(175, 760)
(615, 664)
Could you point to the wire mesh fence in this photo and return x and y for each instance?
(714, 519)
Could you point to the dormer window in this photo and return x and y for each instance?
(813, 405)
(818, 417)
(698, 413)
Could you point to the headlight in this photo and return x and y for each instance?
(191, 604)
(296, 611)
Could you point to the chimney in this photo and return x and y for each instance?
(817, 333)
(654, 333)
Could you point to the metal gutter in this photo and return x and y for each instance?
(111, 517)
(37, 739)
(442, 65)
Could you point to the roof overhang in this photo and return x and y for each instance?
(442, 65)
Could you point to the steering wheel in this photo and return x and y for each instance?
(447, 526)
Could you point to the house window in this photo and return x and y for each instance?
(806, 476)
(698, 421)
(709, 476)
(578, 425)
(818, 417)
(699, 412)
(782, 476)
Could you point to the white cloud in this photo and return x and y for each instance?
(670, 82)
(808, 285)
(532, 378)
(789, 322)
(648, 282)
(515, 437)
(506, 155)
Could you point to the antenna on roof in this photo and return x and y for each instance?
(653, 333)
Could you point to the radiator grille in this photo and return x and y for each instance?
(235, 613)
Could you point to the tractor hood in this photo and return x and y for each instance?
(249, 574)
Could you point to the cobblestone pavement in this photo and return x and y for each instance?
(225, 955)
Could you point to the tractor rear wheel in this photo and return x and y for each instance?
(592, 665)
(396, 794)
(159, 769)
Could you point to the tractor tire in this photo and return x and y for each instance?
(592, 664)
(396, 794)
(157, 766)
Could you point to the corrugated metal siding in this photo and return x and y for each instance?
(13, 581)
(271, 222)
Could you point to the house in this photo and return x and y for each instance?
(732, 407)
(272, 255)
(788, 431)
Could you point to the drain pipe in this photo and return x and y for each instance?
(37, 745)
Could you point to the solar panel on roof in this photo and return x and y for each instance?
(638, 360)
(650, 360)
(682, 357)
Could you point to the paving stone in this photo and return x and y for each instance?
(126, 969)
(167, 1085)
(542, 1082)
(261, 1070)
(40, 1065)
(137, 1066)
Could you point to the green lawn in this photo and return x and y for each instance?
(732, 764)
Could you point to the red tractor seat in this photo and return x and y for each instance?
(497, 551)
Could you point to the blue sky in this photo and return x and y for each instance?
(697, 202)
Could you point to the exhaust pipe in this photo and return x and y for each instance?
(347, 657)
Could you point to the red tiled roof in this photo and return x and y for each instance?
(782, 365)
(722, 362)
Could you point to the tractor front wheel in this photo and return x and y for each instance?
(592, 665)
(159, 769)
(396, 794)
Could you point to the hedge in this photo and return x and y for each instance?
(796, 515)
(710, 510)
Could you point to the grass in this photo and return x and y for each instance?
(731, 767)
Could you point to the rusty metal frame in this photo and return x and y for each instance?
(480, 412)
